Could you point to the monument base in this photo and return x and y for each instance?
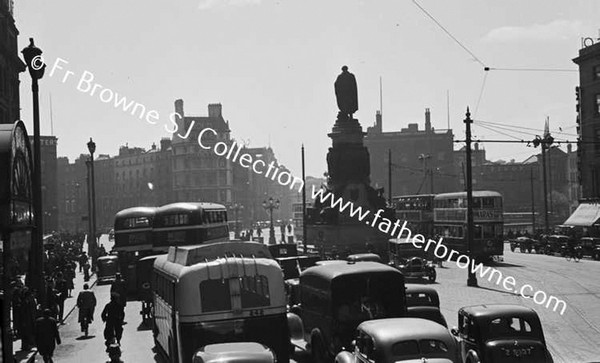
(339, 241)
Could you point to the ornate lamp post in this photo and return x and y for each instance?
(36, 67)
(236, 208)
(92, 206)
(270, 205)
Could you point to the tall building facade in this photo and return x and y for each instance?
(10, 65)
(588, 119)
(422, 160)
(199, 174)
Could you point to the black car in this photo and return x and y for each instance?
(501, 333)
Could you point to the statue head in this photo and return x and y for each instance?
(345, 68)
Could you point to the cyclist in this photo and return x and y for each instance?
(86, 302)
(113, 316)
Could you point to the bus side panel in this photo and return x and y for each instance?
(163, 321)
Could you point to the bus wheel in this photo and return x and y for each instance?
(432, 276)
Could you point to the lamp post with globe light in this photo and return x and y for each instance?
(35, 65)
(92, 244)
(271, 205)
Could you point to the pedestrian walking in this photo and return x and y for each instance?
(46, 335)
(82, 260)
(86, 302)
(119, 287)
(113, 316)
(86, 271)
(29, 314)
(69, 277)
(62, 293)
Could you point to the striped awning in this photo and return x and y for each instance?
(585, 215)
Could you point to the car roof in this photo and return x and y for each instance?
(332, 270)
(249, 347)
(497, 310)
(108, 257)
(397, 329)
(416, 288)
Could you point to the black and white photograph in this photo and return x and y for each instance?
(334, 181)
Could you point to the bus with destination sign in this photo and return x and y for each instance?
(181, 224)
(450, 222)
(218, 293)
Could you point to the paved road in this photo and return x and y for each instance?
(572, 337)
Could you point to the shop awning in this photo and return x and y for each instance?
(585, 215)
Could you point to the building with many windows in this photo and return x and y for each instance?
(10, 65)
(588, 119)
(422, 160)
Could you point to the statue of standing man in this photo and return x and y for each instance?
(346, 94)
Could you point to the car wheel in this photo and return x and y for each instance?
(523, 250)
(432, 276)
(512, 248)
(597, 256)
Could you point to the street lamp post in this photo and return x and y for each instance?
(236, 208)
(471, 278)
(270, 205)
(36, 67)
(92, 233)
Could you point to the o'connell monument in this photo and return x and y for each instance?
(331, 232)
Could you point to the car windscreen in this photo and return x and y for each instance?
(359, 297)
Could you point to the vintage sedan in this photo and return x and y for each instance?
(590, 246)
(424, 302)
(501, 333)
(402, 340)
(415, 267)
(234, 353)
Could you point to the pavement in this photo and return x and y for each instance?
(29, 356)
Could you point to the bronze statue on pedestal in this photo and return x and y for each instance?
(346, 94)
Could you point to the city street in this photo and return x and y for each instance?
(572, 337)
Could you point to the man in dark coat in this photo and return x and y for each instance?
(119, 287)
(46, 335)
(113, 316)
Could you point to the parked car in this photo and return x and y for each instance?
(423, 302)
(234, 353)
(555, 244)
(402, 340)
(524, 244)
(335, 298)
(415, 267)
(590, 246)
(501, 333)
(108, 266)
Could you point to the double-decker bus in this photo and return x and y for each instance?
(218, 293)
(133, 240)
(417, 210)
(450, 222)
(181, 224)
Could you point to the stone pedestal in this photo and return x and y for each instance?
(348, 164)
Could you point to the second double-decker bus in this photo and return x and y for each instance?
(417, 210)
(133, 240)
(182, 224)
(218, 293)
(450, 222)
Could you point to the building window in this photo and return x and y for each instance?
(597, 109)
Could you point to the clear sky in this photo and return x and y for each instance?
(272, 64)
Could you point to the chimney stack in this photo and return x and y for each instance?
(214, 110)
(427, 120)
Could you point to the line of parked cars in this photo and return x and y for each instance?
(552, 244)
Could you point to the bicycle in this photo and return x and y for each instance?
(572, 254)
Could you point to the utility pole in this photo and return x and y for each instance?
(532, 203)
(546, 223)
(390, 176)
(304, 241)
(471, 279)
